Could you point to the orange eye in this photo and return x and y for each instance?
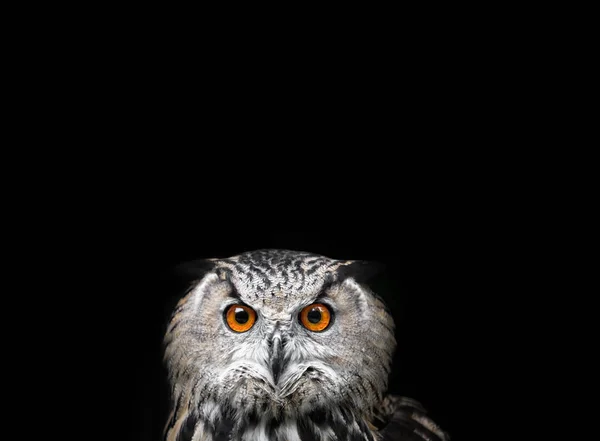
(315, 317)
(240, 318)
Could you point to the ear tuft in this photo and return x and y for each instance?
(194, 269)
(185, 275)
(360, 270)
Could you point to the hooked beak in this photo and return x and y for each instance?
(276, 355)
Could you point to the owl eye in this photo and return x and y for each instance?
(315, 317)
(240, 318)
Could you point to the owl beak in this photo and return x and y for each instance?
(276, 355)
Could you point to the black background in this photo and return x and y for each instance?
(439, 222)
(435, 271)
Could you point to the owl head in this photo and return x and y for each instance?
(277, 344)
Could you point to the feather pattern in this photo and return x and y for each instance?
(279, 380)
(406, 419)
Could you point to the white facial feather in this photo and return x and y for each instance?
(265, 384)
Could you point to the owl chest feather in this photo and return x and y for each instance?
(327, 426)
(279, 345)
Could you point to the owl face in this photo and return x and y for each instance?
(270, 338)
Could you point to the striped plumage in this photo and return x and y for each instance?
(283, 379)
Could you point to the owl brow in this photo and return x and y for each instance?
(225, 275)
(233, 293)
(323, 291)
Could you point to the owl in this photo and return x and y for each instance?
(278, 345)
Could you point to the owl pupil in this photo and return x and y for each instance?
(241, 316)
(314, 315)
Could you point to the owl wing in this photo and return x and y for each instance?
(404, 419)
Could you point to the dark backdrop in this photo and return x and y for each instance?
(429, 278)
